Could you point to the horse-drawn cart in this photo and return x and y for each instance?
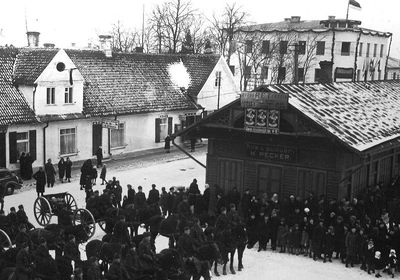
(50, 205)
(5, 241)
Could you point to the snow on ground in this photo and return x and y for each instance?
(180, 172)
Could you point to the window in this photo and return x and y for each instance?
(302, 47)
(345, 48)
(217, 79)
(163, 128)
(249, 46)
(321, 48)
(68, 141)
(381, 52)
(394, 76)
(264, 72)
(247, 71)
(22, 142)
(281, 74)
(283, 47)
(300, 74)
(311, 181)
(232, 68)
(265, 47)
(375, 49)
(317, 76)
(118, 136)
(368, 45)
(51, 96)
(68, 98)
(360, 49)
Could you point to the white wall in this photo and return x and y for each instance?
(208, 96)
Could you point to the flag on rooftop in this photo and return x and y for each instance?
(354, 4)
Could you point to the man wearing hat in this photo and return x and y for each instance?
(120, 232)
(185, 244)
(245, 204)
(44, 262)
(145, 252)
(154, 195)
(22, 236)
(140, 199)
(71, 250)
(222, 222)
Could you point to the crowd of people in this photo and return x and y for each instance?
(363, 231)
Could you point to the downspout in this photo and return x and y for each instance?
(33, 96)
(186, 153)
(44, 142)
(387, 57)
(333, 51)
(356, 55)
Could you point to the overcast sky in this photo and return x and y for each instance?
(78, 21)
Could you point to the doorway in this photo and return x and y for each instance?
(97, 137)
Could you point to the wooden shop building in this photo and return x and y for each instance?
(331, 139)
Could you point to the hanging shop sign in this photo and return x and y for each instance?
(271, 153)
(262, 121)
(264, 100)
(105, 123)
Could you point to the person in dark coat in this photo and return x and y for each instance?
(317, 239)
(131, 194)
(164, 201)
(329, 244)
(185, 244)
(154, 195)
(61, 169)
(22, 218)
(50, 173)
(22, 165)
(28, 166)
(22, 237)
(24, 265)
(103, 174)
(99, 156)
(167, 144)
(263, 232)
(68, 169)
(140, 199)
(94, 271)
(170, 200)
(40, 178)
(379, 264)
(245, 204)
(369, 257)
(351, 247)
(251, 227)
(71, 250)
(233, 196)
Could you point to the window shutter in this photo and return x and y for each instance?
(12, 137)
(158, 122)
(2, 150)
(32, 143)
(169, 125)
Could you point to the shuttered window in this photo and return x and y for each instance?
(163, 127)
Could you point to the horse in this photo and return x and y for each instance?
(169, 265)
(227, 246)
(103, 251)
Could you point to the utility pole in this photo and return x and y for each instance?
(219, 86)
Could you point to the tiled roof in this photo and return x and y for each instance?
(136, 83)
(30, 64)
(361, 114)
(14, 109)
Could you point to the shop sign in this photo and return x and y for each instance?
(264, 100)
(271, 153)
(262, 121)
(113, 124)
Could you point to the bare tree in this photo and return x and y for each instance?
(123, 39)
(308, 60)
(223, 28)
(170, 21)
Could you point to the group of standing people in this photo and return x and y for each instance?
(48, 174)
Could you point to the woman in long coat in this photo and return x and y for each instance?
(68, 167)
(40, 178)
(61, 169)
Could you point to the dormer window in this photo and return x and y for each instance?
(51, 96)
(68, 95)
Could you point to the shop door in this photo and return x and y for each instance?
(230, 174)
(97, 137)
(269, 179)
(2, 150)
(309, 180)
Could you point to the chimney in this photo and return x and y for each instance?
(33, 39)
(295, 19)
(49, 45)
(331, 18)
(105, 44)
(287, 19)
(139, 49)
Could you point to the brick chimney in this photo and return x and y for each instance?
(287, 19)
(331, 18)
(295, 19)
(49, 45)
(33, 39)
(105, 44)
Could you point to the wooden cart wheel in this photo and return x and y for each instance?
(42, 211)
(85, 218)
(5, 241)
(71, 203)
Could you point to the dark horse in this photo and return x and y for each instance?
(103, 251)
(230, 240)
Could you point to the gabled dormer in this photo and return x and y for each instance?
(50, 81)
(59, 88)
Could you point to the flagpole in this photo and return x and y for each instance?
(347, 14)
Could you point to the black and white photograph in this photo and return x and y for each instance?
(188, 139)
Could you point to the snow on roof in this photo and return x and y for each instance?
(361, 114)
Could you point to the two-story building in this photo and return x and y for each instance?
(291, 51)
(123, 102)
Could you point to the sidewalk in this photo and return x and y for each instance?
(128, 161)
